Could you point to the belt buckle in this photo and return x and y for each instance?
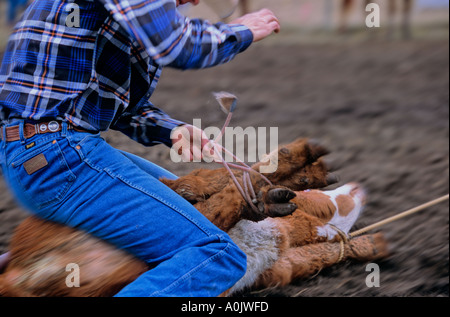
(53, 126)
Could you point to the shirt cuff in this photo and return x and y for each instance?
(166, 126)
(243, 34)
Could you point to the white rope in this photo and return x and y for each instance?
(399, 216)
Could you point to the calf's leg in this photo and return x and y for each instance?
(302, 262)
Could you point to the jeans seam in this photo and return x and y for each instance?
(160, 199)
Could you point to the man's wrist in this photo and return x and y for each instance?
(244, 35)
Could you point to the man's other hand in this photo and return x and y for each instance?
(262, 23)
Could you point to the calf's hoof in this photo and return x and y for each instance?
(276, 201)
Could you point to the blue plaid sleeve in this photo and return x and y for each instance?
(172, 39)
(147, 125)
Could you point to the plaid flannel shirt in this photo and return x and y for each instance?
(102, 73)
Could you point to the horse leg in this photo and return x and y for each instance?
(344, 11)
(406, 24)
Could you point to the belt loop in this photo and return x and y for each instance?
(21, 132)
(64, 129)
(3, 138)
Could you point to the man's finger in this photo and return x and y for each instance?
(275, 26)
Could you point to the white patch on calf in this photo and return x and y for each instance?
(260, 242)
(327, 232)
(345, 223)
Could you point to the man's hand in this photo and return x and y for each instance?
(262, 23)
(192, 144)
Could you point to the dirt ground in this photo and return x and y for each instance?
(382, 109)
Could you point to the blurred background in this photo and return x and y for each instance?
(378, 98)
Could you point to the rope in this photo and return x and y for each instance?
(247, 191)
(399, 216)
(342, 242)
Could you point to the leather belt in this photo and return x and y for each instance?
(30, 130)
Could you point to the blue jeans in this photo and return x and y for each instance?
(85, 183)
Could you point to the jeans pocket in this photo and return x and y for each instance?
(42, 175)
